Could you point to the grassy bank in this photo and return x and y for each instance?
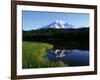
(33, 55)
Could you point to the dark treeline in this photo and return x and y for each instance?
(59, 36)
(81, 34)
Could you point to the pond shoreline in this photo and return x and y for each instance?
(58, 44)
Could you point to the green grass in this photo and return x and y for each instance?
(33, 55)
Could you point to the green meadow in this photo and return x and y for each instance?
(34, 55)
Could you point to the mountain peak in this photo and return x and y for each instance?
(60, 21)
(58, 24)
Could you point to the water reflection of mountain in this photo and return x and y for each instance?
(73, 57)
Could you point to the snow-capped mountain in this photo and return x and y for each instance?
(58, 24)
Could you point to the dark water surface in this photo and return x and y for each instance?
(73, 57)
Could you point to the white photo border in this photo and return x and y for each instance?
(36, 71)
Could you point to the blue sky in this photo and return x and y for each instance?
(36, 19)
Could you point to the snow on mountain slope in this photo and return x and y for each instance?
(58, 24)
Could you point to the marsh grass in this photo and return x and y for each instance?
(33, 55)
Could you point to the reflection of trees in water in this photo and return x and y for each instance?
(71, 45)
